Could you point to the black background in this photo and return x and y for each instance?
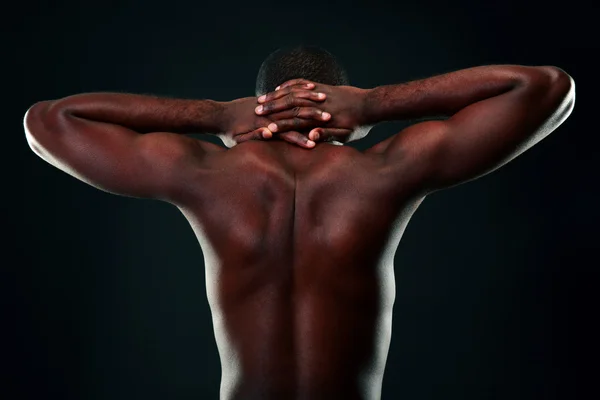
(103, 296)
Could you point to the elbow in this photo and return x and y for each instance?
(556, 81)
(36, 111)
(36, 115)
(559, 78)
(552, 86)
(43, 114)
(37, 123)
(553, 72)
(555, 91)
(562, 87)
(33, 119)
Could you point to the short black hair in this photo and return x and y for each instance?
(301, 61)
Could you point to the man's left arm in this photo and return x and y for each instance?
(125, 144)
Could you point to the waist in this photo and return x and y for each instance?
(320, 342)
(348, 390)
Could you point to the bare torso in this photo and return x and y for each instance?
(299, 247)
(299, 244)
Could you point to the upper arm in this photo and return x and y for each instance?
(485, 135)
(110, 157)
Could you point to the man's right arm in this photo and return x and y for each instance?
(494, 114)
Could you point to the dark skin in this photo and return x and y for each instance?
(299, 240)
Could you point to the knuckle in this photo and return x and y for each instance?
(295, 92)
(289, 101)
(304, 112)
(282, 125)
(299, 101)
(289, 124)
(296, 111)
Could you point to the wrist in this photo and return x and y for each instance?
(214, 113)
(368, 113)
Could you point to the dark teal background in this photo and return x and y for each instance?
(103, 296)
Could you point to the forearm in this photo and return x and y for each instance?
(144, 113)
(442, 95)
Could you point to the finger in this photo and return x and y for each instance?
(297, 138)
(293, 82)
(293, 124)
(286, 98)
(326, 134)
(306, 89)
(308, 94)
(258, 134)
(312, 113)
(287, 102)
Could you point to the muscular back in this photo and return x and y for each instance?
(299, 250)
(299, 243)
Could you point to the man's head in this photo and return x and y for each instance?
(303, 61)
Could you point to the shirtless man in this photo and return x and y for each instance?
(299, 238)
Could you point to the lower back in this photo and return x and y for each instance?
(324, 338)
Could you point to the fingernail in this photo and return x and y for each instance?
(259, 109)
(262, 98)
(309, 85)
(277, 88)
(272, 127)
(266, 134)
(316, 136)
(310, 143)
(326, 115)
(321, 95)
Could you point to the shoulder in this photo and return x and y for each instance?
(178, 158)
